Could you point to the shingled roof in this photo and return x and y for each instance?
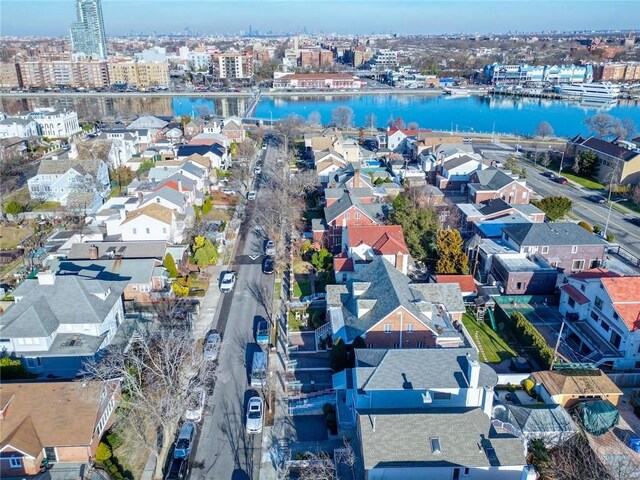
(372, 210)
(551, 233)
(491, 179)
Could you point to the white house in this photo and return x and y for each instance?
(124, 145)
(602, 311)
(396, 138)
(456, 172)
(59, 322)
(153, 222)
(57, 179)
(215, 152)
(18, 127)
(54, 123)
(169, 198)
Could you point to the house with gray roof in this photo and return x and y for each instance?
(454, 174)
(439, 444)
(90, 250)
(18, 127)
(404, 379)
(59, 322)
(380, 305)
(494, 183)
(565, 245)
(346, 211)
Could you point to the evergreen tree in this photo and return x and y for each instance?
(451, 257)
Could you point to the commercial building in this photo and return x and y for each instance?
(618, 161)
(312, 81)
(232, 65)
(139, 74)
(54, 123)
(87, 32)
(497, 74)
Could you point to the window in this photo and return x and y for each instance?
(164, 230)
(519, 286)
(466, 471)
(420, 345)
(615, 339)
(577, 265)
(387, 328)
(571, 302)
(598, 303)
(396, 345)
(593, 263)
(15, 462)
(605, 325)
(409, 327)
(595, 316)
(346, 216)
(135, 231)
(637, 365)
(441, 396)
(148, 231)
(615, 315)
(574, 249)
(357, 215)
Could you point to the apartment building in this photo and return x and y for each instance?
(496, 74)
(617, 72)
(331, 81)
(315, 58)
(619, 161)
(139, 74)
(50, 74)
(385, 59)
(54, 123)
(232, 65)
(9, 75)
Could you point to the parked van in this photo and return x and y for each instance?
(259, 369)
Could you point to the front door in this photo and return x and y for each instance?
(456, 474)
(50, 454)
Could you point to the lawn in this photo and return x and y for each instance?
(11, 236)
(585, 182)
(492, 347)
(46, 207)
(302, 288)
(296, 325)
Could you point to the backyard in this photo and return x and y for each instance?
(491, 346)
(11, 236)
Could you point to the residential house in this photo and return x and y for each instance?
(154, 125)
(143, 276)
(124, 145)
(436, 143)
(60, 422)
(191, 170)
(565, 245)
(327, 163)
(169, 198)
(397, 138)
(104, 250)
(350, 177)
(59, 322)
(550, 423)
(54, 123)
(435, 445)
(212, 126)
(217, 154)
(523, 274)
(619, 161)
(568, 387)
(233, 129)
(361, 244)
(57, 179)
(18, 127)
(347, 211)
(466, 283)
(492, 183)
(153, 222)
(602, 311)
(194, 127)
(455, 174)
(382, 307)
(497, 209)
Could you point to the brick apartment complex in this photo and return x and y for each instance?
(319, 81)
(315, 58)
(616, 72)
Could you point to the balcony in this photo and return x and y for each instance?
(598, 349)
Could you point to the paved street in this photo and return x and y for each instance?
(224, 450)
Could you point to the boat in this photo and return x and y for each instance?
(456, 92)
(590, 90)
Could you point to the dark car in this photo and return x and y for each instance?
(549, 174)
(178, 469)
(268, 266)
(596, 199)
(634, 220)
(561, 180)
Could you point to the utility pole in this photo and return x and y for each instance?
(555, 350)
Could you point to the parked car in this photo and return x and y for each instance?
(316, 297)
(178, 469)
(212, 345)
(269, 247)
(195, 404)
(254, 415)
(185, 440)
(257, 170)
(251, 195)
(262, 333)
(596, 199)
(560, 180)
(228, 282)
(228, 191)
(268, 266)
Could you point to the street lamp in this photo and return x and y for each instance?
(606, 226)
(271, 115)
(561, 161)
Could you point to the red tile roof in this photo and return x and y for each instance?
(466, 282)
(383, 239)
(625, 297)
(574, 293)
(341, 263)
(406, 131)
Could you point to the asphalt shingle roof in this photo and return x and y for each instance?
(552, 234)
(491, 179)
(372, 210)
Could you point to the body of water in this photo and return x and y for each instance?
(501, 114)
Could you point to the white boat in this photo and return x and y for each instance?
(456, 92)
(590, 90)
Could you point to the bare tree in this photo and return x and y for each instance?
(347, 455)
(413, 126)
(290, 126)
(603, 125)
(370, 120)
(314, 119)
(318, 466)
(546, 159)
(158, 371)
(342, 117)
(634, 193)
(246, 149)
(543, 130)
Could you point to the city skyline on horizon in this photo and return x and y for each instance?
(52, 18)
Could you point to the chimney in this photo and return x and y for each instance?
(356, 177)
(473, 372)
(400, 262)
(123, 214)
(180, 185)
(140, 198)
(93, 252)
(46, 277)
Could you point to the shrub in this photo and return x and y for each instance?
(170, 265)
(179, 290)
(528, 386)
(528, 336)
(586, 226)
(554, 207)
(610, 237)
(12, 369)
(207, 206)
(103, 453)
(114, 440)
(339, 356)
(597, 229)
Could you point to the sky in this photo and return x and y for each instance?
(121, 17)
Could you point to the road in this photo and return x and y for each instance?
(224, 450)
(626, 234)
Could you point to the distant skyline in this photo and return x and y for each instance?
(122, 17)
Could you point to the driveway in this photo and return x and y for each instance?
(224, 450)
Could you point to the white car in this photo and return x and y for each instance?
(228, 282)
(212, 345)
(195, 404)
(251, 195)
(269, 248)
(254, 415)
(257, 170)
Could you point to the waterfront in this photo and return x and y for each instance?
(518, 115)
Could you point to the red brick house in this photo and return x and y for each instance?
(492, 183)
(347, 211)
(382, 307)
(59, 421)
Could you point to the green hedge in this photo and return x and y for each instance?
(528, 336)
